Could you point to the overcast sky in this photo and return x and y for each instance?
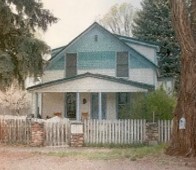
(74, 17)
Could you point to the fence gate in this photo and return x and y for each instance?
(57, 133)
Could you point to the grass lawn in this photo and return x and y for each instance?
(105, 153)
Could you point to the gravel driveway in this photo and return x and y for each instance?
(28, 158)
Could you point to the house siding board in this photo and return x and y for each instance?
(106, 42)
(108, 72)
(85, 107)
(51, 103)
(111, 106)
(96, 60)
(167, 84)
(138, 62)
(90, 84)
(56, 51)
(51, 75)
(148, 52)
(57, 64)
(142, 75)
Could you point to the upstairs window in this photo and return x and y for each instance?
(96, 38)
(122, 64)
(71, 64)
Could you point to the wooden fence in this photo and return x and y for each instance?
(164, 130)
(57, 133)
(15, 130)
(114, 131)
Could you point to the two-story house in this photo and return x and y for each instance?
(95, 75)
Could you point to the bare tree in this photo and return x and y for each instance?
(184, 127)
(119, 19)
(14, 99)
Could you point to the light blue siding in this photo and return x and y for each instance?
(97, 54)
(105, 42)
(96, 60)
(138, 62)
(56, 65)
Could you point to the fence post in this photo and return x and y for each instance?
(77, 134)
(37, 134)
(152, 136)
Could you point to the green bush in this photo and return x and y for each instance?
(146, 105)
(161, 104)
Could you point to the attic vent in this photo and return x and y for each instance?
(96, 38)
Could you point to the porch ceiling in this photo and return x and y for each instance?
(91, 83)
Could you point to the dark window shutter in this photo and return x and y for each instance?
(122, 64)
(71, 64)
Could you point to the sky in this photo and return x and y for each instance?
(74, 17)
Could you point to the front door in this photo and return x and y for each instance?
(71, 105)
(95, 105)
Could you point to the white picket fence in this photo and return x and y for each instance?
(114, 131)
(17, 130)
(57, 133)
(164, 130)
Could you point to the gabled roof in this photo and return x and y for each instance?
(146, 59)
(117, 37)
(99, 76)
(137, 41)
(56, 51)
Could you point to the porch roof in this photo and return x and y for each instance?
(89, 82)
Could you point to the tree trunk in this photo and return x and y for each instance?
(183, 141)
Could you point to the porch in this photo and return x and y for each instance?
(86, 96)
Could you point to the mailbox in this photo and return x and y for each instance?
(182, 123)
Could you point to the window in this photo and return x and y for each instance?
(123, 102)
(96, 38)
(71, 105)
(71, 64)
(122, 64)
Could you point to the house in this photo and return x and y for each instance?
(167, 83)
(95, 75)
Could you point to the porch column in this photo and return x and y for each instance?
(35, 104)
(100, 106)
(78, 106)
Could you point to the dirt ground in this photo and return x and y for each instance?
(28, 158)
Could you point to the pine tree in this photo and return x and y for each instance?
(20, 52)
(153, 23)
